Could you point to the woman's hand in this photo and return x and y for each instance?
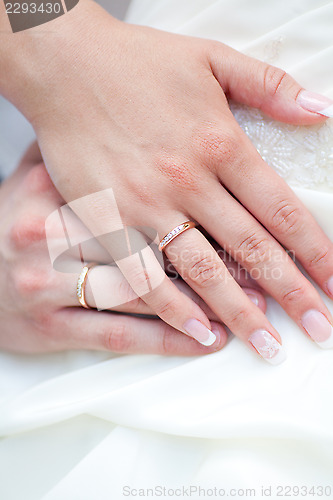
(139, 120)
(39, 310)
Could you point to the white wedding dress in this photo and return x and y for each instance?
(85, 425)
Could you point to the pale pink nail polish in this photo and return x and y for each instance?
(254, 298)
(199, 332)
(268, 347)
(316, 103)
(330, 285)
(319, 328)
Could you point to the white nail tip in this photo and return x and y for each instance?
(210, 341)
(328, 343)
(278, 358)
(327, 112)
(268, 347)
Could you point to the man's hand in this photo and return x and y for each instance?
(39, 310)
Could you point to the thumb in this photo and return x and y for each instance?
(260, 85)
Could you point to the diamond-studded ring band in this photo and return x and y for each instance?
(81, 285)
(174, 233)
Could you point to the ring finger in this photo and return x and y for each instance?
(200, 266)
(107, 289)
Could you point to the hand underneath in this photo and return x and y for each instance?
(39, 310)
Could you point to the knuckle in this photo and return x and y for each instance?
(220, 147)
(167, 309)
(127, 295)
(118, 338)
(213, 46)
(135, 304)
(43, 320)
(27, 231)
(28, 283)
(286, 218)
(273, 79)
(253, 249)
(320, 256)
(293, 296)
(237, 319)
(140, 281)
(38, 180)
(178, 174)
(203, 271)
(51, 333)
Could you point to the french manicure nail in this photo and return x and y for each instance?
(316, 103)
(318, 327)
(199, 332)
(330, 285)
(268, 347)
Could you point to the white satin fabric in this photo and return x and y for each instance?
(82, 425)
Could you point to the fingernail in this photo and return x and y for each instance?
(199, 332)
(319, 328)
(254, 298)
(330, 285)
(268, 347)
(316, 103)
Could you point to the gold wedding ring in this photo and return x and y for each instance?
(81, 285)
(174, 233)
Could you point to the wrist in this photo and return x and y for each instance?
(35, 62)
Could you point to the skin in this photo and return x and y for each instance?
(140, 117)
(39, 310)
